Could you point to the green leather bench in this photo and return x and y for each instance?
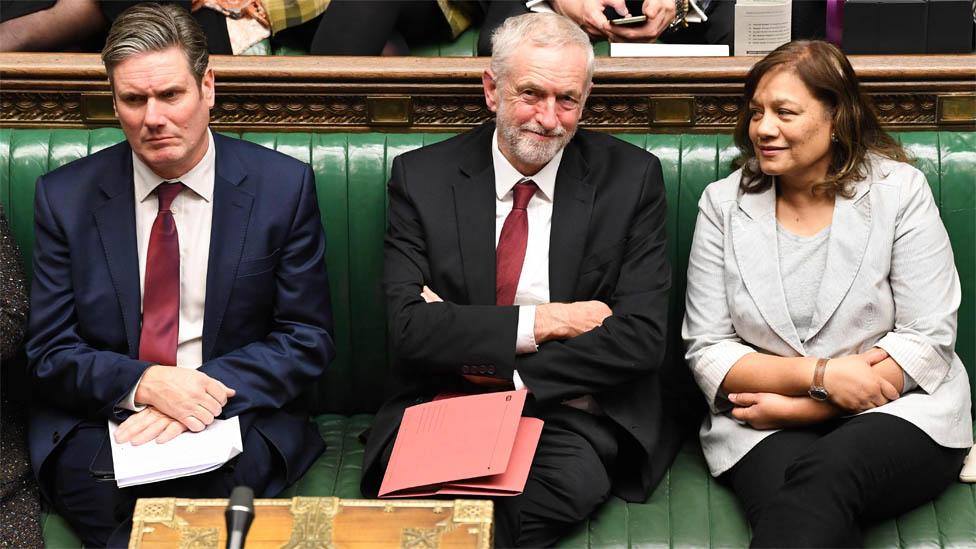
(689, 508)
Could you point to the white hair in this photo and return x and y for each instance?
(539, 29)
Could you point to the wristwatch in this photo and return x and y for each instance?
(817, 390)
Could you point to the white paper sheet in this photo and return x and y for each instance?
(761, 26)
(631, 49)
(187, 454)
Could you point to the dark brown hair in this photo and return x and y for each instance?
(828, 75)
(150, 27)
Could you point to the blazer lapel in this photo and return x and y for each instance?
(231, 212)
(571, 209)
(754, 242)
(115, 221)
(849, 233)
(474, 203)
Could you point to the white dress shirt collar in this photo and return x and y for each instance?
(506, 176)
(200, 178)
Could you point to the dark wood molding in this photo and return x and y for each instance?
(922, 92)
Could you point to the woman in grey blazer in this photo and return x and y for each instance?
(821, 313)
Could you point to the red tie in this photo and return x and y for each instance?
(510, 253)
(161, 294)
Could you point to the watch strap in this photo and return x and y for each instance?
(818, 372)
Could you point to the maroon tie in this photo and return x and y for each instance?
(510, 253)
(161, 294)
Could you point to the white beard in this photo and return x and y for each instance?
(526, 149)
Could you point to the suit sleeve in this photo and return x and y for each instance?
(713, 346)
(631, 342)
(66, 369)
(436, 338)
(925, 287)
(274, 371)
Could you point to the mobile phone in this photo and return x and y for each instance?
(633, 20)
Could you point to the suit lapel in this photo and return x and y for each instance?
(115, 221)
(572, 205)
(231, 212)
(474, 203)
(849, 232)
(754, 242)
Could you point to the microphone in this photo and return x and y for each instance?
(238, 516)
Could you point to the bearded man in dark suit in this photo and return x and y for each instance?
(528, 254)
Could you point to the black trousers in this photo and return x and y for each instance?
(817, 486)
(357, 27)
(570, 478)
(101, 513)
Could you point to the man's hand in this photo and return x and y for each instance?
(660, 14)
(567, 320)
(146, 425)
(588, 14)
(429, 295)
(854, 385)
(188, 396)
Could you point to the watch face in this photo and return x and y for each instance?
(818, 393)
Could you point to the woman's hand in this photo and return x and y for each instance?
(775, 411)
(854, 385)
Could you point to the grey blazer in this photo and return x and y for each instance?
(889, 282)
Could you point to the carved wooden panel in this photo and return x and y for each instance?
(444, 94)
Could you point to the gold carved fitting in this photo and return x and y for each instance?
(957, 109)
(313, 522)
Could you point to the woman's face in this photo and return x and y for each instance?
(790, 129)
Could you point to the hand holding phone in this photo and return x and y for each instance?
(633, 20)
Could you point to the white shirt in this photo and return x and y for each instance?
(193, 213)
(533, 285)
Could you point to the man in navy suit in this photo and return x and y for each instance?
(179, 277)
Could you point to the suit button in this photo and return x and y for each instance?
(634, 427)
(55, 437)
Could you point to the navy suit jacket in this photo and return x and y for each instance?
(267, 320)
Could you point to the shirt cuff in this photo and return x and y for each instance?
(917, 359)
(712, 366)
(525, 336)
(130, 401)
(539, 6)
(517, 381)
(908, 384)
(695, 14)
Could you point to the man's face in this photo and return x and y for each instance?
(537, 103)
(162, 110)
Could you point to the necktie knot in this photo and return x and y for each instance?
(166, 193)
(524, 190)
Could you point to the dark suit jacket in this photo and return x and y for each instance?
(607, 243)
(267, 319)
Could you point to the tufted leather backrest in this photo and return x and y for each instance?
(351, 173)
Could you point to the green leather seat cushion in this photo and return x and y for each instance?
(688, 509)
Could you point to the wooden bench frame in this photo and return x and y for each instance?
(425, 94)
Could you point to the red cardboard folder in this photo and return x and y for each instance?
(477, 444)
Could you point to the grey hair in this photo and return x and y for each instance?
(540, 29)
(150, 27)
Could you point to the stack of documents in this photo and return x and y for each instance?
(473, 445)
(761, 26)
(187, 454)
